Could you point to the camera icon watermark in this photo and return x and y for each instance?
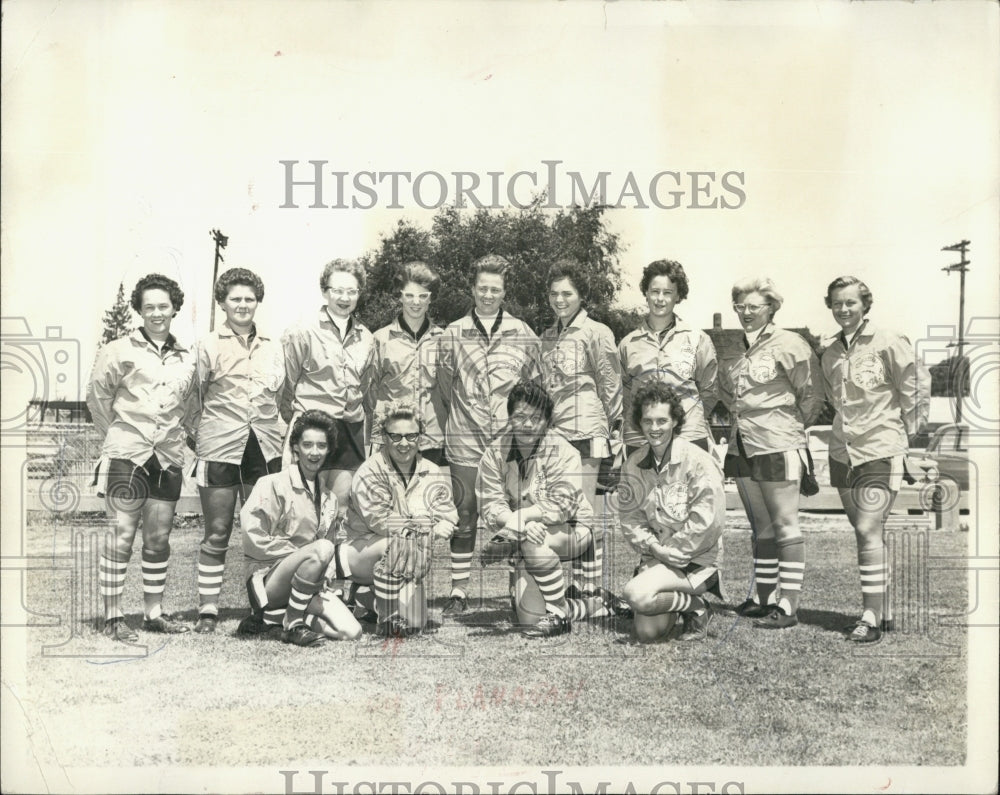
(37, 370)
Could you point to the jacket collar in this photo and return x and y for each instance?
(171, 344)
(225, 330)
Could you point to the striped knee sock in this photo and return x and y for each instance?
(874, 578)
(211, 564)
(548, 575)
(273, 616)
(111, 581)
(387, 588)
(154, 580)
(592, 561)
(298, 600)
(791, 568)
(765, 569)
(461, 563)
(576, 609)
(675, 602)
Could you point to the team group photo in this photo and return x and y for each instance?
(348, 452)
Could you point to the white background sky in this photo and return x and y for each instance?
(868, 134)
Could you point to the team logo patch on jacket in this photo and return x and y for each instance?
(672, 501)
(764, 368)
(684, 363)
(867, 371)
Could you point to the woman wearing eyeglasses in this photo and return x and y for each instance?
(481, 357)
(328, 360)
(396, 492)
(404, 366)
(772, 393)
(882, 396)
(666, 349)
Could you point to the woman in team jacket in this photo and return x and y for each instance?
(665, 348)
(404, 365)
(882, 397)
(328, 360)
(582, 374)
(141, 398)
(531, 496)
(239, 380)
(481, 357)
(772, 393)
(395, 492)
(286, 522)
(673, 511)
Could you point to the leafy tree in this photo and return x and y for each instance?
(118, 319)
(529, 238)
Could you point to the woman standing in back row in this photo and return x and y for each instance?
(239, 379)
(882, 397)
(772, 394)
(583, 377)
(665, 348)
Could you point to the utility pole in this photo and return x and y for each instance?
(962, 267)
(220, 243)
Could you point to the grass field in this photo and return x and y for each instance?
(477, 693)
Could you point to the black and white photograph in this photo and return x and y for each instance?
(500, 397)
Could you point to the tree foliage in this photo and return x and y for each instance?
(530, 238)
(117, 319)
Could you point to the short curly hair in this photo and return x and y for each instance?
(491, 263)
(350, 266)
(238, 276)
(157, 281)
(534, 395)
(847, 281)
(314, 418)
(669, 268)
(418, 273)
(569, 268)
(398, 410)
(652, 394)
(762, 285)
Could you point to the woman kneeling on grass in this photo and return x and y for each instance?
(673, 510)
(285, 521)
(530, 488)
(398, 498)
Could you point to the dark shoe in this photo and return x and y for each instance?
(696, 626)
(614, 604)
(165, 624)
(395, 627)
(496, 550)
(549, 626)
(863, 632)
(301, 635)
(776, 619)
(206, 624)
(455, 605)
(751, 609)
(888, 625)
(573, 592)
(251, 626)
(117, 629)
